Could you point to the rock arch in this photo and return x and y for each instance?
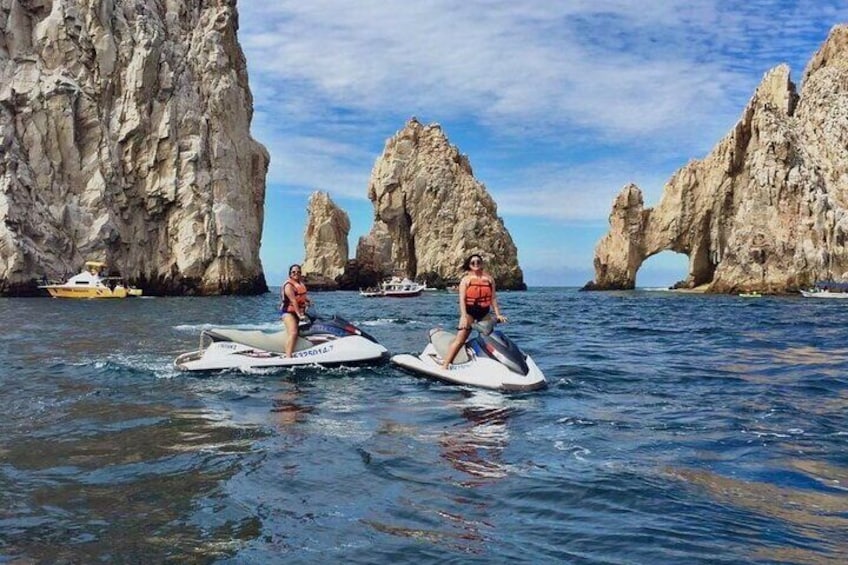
(767, 209)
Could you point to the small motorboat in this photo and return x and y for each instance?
(322, 341)
(488, 360)
(827, 289)
(92, 282)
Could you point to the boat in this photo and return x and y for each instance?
(92, 282)
(371, 292)
(827, 289)
(488, 360)
(401, 287)
(322, 341)
(750, 294)
(395, 287)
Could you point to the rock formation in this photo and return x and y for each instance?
(767, 209)
(430, 212)
(375, 249)
(124, 137)
(327, 228)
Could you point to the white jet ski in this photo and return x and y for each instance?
(323, 341)
(489, 360)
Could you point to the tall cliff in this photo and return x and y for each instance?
(124, 137)
(767, 209)
(430, 212)
(327, 227)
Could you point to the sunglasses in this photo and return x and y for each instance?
(475, 262)
(295, 272)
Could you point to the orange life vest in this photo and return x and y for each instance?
(299, 294)
(478, 292)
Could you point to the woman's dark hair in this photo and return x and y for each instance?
(467, 265)
(293, 265)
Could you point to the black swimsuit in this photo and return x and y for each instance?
(477, 312)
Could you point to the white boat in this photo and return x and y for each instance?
(325, 341)
(395, 287)
(92, 283)
(823, 294)
(488, 360)
(827, 289)
(371, 292)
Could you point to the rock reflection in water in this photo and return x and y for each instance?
(766, 365)
(815, 514)
(131, 478)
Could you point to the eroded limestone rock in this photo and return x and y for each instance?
(124, 137)
(431, 213)
(327, 228)
(767, 209)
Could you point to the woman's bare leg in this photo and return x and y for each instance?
(290, 320)
(458, 341)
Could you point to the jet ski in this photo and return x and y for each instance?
(488, 360)
(321, 341)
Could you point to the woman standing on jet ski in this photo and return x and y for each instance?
(476, 298)
(293, 304)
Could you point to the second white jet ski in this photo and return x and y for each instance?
(488, 360)
(325, 341)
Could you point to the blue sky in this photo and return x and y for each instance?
(558, 104)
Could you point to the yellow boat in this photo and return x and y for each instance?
(91, 283)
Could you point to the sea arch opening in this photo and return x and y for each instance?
(662, 270)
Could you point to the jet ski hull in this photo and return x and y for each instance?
(230, 355)
(325, 341)
(476, 371)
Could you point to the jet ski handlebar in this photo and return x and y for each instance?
(486, 325)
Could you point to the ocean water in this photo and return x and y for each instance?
(676, 428)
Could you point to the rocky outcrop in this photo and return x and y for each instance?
(327, 227)
(374, 250)
(124, 137)
(431, 213)
(767, 209)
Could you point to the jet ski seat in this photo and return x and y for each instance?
(272, 341)
(442, 340)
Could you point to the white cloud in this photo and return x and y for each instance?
(308, 163)
(494, 61)
(332, 80)
(582, 193)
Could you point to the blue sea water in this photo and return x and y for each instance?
(676, 428)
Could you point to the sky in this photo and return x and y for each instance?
(557, 104)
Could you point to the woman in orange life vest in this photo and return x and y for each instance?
(293, 304)
(476, 297)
